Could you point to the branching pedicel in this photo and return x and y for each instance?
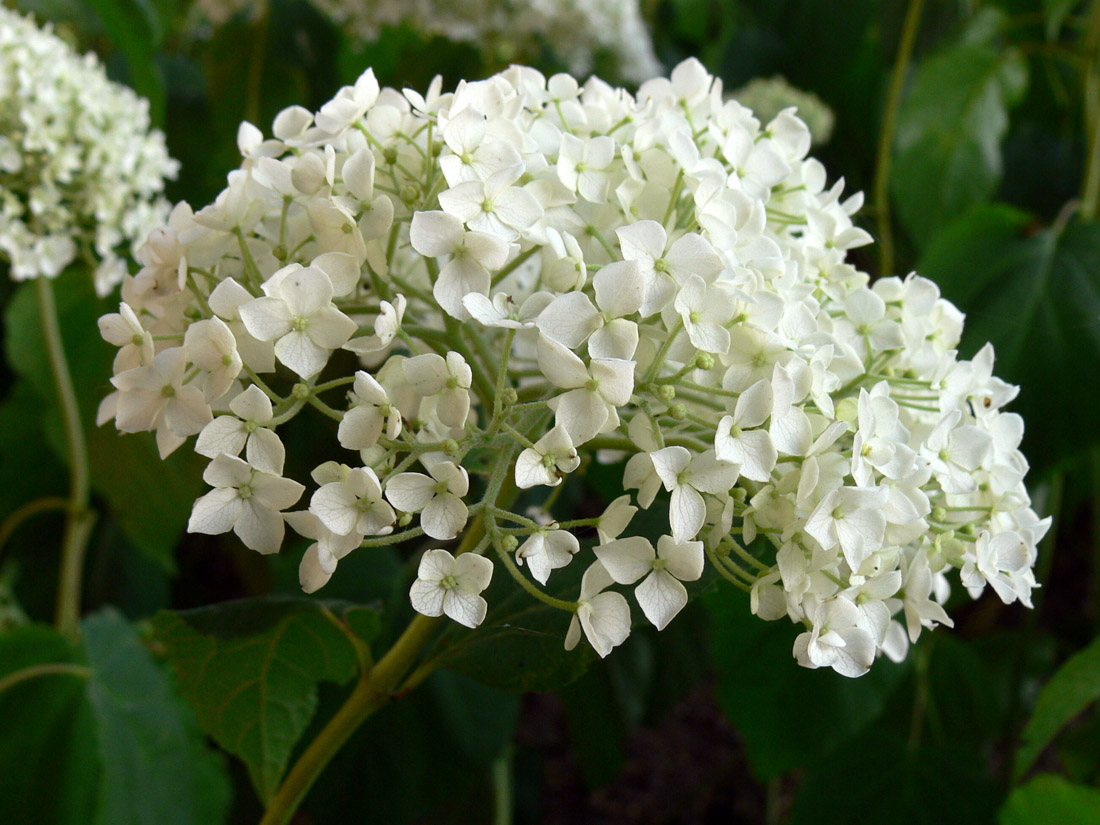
(542, 270)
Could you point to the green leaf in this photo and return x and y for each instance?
(520, 645)
(104, 741)
(1048, 799)
(1035, 294)
(1074, 687)
(51, 768)
(250, 670)
(788, 715)
(151, 498)
(156, 768)
(950, 128)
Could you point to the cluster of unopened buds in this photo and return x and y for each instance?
(485, 290)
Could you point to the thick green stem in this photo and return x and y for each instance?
(886, 137)
(79, 520)
(375, 688)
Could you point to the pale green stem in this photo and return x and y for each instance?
(37, 671)
(886, 137)
(80, 519)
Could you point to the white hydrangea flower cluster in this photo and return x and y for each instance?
(575, 31)
(81, 171)
(495, 286)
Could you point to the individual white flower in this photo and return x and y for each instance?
(494, 206)
(124, 330)
(211, 347)
(551, 457)
(300, 318)
(446, 585)
(664, 271)
(370, 415)
(354, 505)
(594, 392)
(737, 442)
(245, 500)
(438, 497)
(604, 616)
(1004, 562)
(245, 430)
(687, 477)
(225, 302)
(503, 311)
(546, 550)
(473, 255)
(154, 396)
(581, 165)
(448, 379)
(837, 640)
(851, 517)
(476, 153)
(661, 594)
(705, 311)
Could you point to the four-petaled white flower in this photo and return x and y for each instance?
(354, 505)
(449, 379)
(687, 477)
(446, 585)
(211, 347)
(594, 392)
(837, 640)
(299, 316)
(735, 440)
(661, 594)
(370, 415)
(245, 430)
(438, 497)
(245, 500)
(547, 461)
(473, 255)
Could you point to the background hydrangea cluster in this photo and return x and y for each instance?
(578, 32)
(545, 272)
(81, 171)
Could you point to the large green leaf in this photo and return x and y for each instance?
(950, 128)
(151, 498)
(1035, 294)
(51, 770)
(1051, 799)
(1074, 687)
(98, 736)
(156, 768)
(250, 670)
(788, 715)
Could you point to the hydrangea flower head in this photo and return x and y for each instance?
(81, 171)
(492, 288)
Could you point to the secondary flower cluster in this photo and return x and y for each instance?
(493, 287)
(577, 32)
(81, 172)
